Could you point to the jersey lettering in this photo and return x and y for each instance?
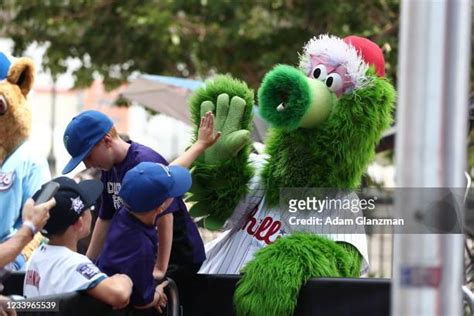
(32, 278)
(6, 180)
(267, 230)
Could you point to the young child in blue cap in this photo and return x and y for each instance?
(147, 190)
(91, 138)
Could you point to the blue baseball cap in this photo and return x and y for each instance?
(5, 64)
(82, 134)
(149, 184)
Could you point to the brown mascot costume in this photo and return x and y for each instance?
(21, 171)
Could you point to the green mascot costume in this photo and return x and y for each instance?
(326, 118)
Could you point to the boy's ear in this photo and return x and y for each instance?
(108, 139)
(22, 74)
(78, 223)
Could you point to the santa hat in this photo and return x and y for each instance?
(370, 52)
(354, 52)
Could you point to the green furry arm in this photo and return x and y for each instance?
(221, 175)
(272, 280)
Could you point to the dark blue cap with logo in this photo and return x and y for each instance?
(72, 199)
(82, 134)
(147, 185)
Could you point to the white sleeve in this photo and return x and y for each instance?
(254, 196)
(59, 270)
(83, 274)
(29, 290)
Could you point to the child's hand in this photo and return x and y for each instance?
(207, 136)
(229, 116)
(160, 295)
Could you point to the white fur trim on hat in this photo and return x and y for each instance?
(338, 52)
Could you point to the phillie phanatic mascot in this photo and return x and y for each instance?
(326, 118)
(22, 172)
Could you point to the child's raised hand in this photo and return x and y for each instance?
(229, 117)
(207, 135)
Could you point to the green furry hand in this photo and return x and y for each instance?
(228, 122)
(222, 173)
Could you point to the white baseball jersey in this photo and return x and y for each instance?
(57, 269)
(254, 225)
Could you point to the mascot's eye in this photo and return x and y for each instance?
(334, 82)
(320, 72)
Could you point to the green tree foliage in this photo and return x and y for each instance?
(189, 38)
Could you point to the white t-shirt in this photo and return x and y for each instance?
(254, 225)
(57, 269)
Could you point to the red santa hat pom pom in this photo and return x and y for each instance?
(370, 52)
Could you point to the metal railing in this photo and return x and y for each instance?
(74, 303)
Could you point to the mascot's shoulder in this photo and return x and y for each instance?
(27, 155)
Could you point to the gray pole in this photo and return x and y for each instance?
(430, 148)
(51, 155)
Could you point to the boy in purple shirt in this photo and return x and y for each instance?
(147, 190)
(91, 137)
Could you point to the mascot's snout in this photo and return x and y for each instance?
(289, 99)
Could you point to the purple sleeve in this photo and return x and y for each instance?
(140, 270)
(107, 210)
